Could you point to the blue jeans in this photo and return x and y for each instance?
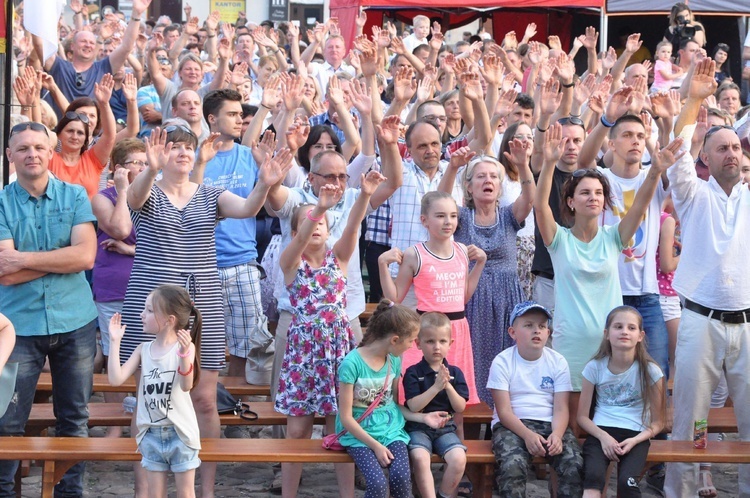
(71, 359)
(657, 338)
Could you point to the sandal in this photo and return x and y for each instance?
(707, 489)
(465, 489)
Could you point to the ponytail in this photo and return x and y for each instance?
(195, 335)
(388, 319)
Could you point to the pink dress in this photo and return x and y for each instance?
(440, 285)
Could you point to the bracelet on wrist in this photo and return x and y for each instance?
(571, 115)
(527, 182)
(314, 219)
(185, 374)
(606, 123)
(541, 130)
(183, 355)
(265, 106)
(568, 85)
(211, 36)
(136, 19)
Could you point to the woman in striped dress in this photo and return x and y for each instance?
(175, 222)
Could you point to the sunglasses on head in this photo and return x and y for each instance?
(571, 120)
(26, 125)
(171, 128)
(587, 172)
(76, 116)
(716, 128)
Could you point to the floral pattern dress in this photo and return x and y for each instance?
(319, 338)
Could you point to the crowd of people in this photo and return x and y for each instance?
(551, 241)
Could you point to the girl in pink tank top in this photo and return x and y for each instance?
(443, 282)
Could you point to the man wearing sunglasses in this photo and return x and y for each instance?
(47, 241)
(714, 277)
(76, 77)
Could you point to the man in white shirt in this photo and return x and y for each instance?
(714, 277)
(334, 52)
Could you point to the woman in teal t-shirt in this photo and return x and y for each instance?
(380, 440)
(584, 256)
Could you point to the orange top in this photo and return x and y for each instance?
(87, 172)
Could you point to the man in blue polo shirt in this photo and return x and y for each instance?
(234, 168)
(47, 240)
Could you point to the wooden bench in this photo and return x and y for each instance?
(112, 414)
(235, 385)
(59, 454)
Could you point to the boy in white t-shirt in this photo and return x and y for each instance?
(530, 385)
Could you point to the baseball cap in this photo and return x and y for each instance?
(524, 307)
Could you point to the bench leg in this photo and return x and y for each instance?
(52, 473)
(482, 476)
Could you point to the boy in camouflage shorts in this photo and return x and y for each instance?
(530, 386)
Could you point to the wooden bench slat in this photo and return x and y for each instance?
(61, 453)
(235, 385)
(112, 414)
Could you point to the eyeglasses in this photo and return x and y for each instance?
(439, 119)
(28, 125)
(343, 177)
(76, 116)
(79, 80)
(137, 163)
(524, 137)
(164, 62)
(571, 120)
(587, 172)
(171, 128)
(716, 128)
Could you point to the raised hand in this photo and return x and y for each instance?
(293, 30)
(212, 22)
(590, 38)
(661, 105)
(461, 157)
(608, 61)
(530, 31)
(397, 45)
(24, 90)
(228, 31)
(271, 93)
(265, 147)
(186, 342)
(292, 92)
(550, 98)
(510, 41)
(388, 130)
(470, 86)
(667, 156)
(156, 41)
(239, 72)
(437, 36)
(619, 103)
(335, 93)
(368, 61)
(404, 85)
(296, 134)
(191, 26)
(209, 148)
(225, 49)
(554, 42)
(518, 152)
(116, 328)
(633, 44)
(554, 144)
(369, 184)
(157, 150)
(361, 19)
(584, 88)
(534, 53)
(360, 98)
(380, 37)
(701, 127)
(425, 89)
(121, 180)
(103, 89)
(703, 83)
(274, 169)
(140, 6)
(188, 10)
(130, 87)
(328, 196)
(566, 68)
(492, 70)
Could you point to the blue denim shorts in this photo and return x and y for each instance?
(163, 450)
(439, 441)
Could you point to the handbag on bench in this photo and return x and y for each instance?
(226, 403)
(331, 441)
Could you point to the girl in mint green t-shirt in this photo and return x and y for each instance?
(380, 440)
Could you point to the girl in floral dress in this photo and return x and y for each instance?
(319, 336)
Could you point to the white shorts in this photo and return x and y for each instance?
(670, 307)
